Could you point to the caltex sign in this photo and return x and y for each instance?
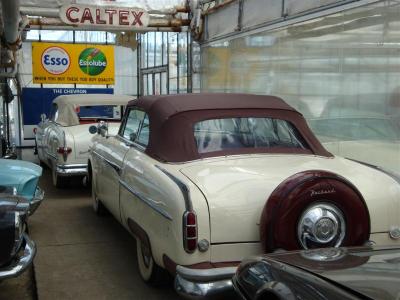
(72, 63)
(100, 16)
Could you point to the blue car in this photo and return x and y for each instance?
(21, 178)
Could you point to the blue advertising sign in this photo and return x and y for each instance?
(37, 101)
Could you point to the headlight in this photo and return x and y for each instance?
(19, 228)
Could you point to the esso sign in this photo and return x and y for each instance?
(55, 60)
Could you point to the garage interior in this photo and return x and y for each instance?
(335, 61)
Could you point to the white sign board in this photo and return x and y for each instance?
(100, 16)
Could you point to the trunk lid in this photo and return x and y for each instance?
(81, 138)
(237, 189)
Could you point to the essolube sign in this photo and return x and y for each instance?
(92, 61)
(55, 60)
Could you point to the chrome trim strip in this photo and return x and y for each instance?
(52, 155)
(206, 275)
(183, 187)
(145, 200)
(72, 166)
(130, 143)
(111, 164)
(23, 262)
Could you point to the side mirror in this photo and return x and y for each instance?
(132, 136)
(103, 129)
(93, 129)
(43, 117)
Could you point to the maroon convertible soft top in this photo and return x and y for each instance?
(172, 119)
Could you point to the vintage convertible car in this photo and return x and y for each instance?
(63, 141)
(350, 136)
(17, 249)
(21, 178)
(204, 180)
(331, 273)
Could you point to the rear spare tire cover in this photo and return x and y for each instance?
(287, 203)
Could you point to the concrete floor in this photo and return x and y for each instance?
(80, 255)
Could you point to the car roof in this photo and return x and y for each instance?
(93, 99)
(67, 104)
(168, 105)
(173, 117)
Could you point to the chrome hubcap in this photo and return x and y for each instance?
(321, 225)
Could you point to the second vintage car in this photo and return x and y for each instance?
(21, 178)
(204, 180)
(320, 274)
(63, 141)
(17, 250)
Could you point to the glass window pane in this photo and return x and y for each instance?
(165, 48)
(151, 48)
(164, 83)
(173, 67)
(144, 50)
(159, 43)
(32, 34)
(90, 37)
(57, 35)
(145, 88)
(173, 86)
(150, 84)
(132, 124)
(157, 84)
(233, 133)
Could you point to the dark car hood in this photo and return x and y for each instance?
(373, 272)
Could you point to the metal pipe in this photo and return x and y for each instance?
(11, 18)
(40, 11)
(154, 22)
(115, 28)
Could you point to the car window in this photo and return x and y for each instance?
(109, 112)
(232, 133)
(132, 123)
(143, 138)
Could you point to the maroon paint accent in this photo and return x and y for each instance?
(172, 118)
(123, 17)
(278, 224)
(68, 14)
(87, 16)
(170, 265)
(137, 18)
(111, 13)
(139, 232)
(98, 17)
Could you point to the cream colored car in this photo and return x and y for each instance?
(63, 140)
(204, 180)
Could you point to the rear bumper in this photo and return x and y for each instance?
(37, 199)
(22, 263)
(204, 283)
(72, 170)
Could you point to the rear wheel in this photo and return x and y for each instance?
(150, 272)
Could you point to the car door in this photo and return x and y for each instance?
(112, 151)
(141, 191)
